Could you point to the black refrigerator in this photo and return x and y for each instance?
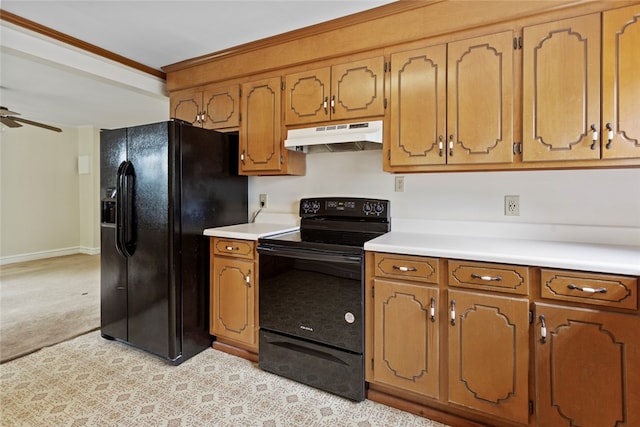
(161, 185)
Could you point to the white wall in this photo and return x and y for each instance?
(47, 208)
(580, 197)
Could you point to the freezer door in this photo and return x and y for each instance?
(151, 289)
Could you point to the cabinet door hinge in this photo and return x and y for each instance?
(517, 43)
(520, 42)
(240, 93)
(385, 103)
(530, 316)
(387, 66)
(373, 292)
(372, 363)
(531, 407)
(388, 154)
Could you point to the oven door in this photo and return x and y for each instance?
(313, 293)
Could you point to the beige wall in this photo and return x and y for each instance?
(47, 208)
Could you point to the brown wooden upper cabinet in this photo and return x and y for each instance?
(344, 91)
(453, 104)
(211, 107)
(565, 72)
(261, 148)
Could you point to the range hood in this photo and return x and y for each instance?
(332, 138)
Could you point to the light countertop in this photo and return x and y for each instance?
(594, 257)
(249, 231)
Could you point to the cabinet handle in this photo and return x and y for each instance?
(402, 268)
(543, 330)
(588, 290)
(451, 145)
(440, 145)
(248, 279)
(486, 278)
(326, 100)
(594, 137)
(432, 310)
(333, 104)
(609, 135)
(242, 157)
(453, 312)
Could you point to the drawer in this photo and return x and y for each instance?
(590, 288)
(234, 247)
(513, 279)
(406, 267)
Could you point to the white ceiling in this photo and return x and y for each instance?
(48, 81)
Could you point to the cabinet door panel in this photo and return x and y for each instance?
(561, 89)
(186, 105)
(232, 299)
(307, 96)
(620, 87)
(406, 357)
(222, 107)
(489, 354)
(357, 89)
(418, 107)
(480, 99)
(261, 139)
(587, 369)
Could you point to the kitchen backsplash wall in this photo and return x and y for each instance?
(571, 197)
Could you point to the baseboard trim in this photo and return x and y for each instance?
(12, 259)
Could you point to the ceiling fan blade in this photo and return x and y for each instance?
(8, 122)
(4, 111)
(41, 125)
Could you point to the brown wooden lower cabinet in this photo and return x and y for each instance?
(234, 296)
(489, 354)
(406, 337)
(482, 359)
(587, 367)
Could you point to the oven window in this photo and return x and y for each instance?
(318, 300)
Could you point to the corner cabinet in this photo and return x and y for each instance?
(452, 104)
(591, 61)
(343, 91)
(262, 149)
(587, 359)
(234, 293)
(211, 107)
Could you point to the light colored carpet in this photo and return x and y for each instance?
(47, 301)
(89, 381)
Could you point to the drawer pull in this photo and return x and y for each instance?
(453, 312)
(588, 290)
(432, 309)
(402, 268)
(486, 278)
(231, 248)
(543, 330)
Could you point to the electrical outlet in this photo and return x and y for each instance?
(512, 205)
(399, 184)
(263, 201)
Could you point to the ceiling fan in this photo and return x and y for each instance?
(7, 117)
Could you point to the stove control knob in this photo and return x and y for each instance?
(306, 206)
(366, 208)
(379, 208)
(315, 206)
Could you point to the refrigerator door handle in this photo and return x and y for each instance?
(125, 238)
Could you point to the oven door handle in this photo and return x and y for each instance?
(309, 254)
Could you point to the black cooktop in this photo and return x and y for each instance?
(331, 221)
